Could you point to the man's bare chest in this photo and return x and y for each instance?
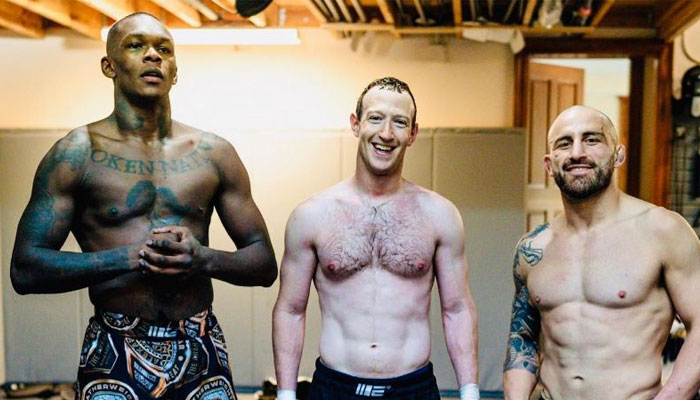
(120, 185)
(393, 237)
(613, 271)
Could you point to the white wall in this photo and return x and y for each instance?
(57, 83)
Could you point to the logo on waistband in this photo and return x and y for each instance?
(371, 390)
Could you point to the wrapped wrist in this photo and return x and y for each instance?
(470, 391)
(286, 395)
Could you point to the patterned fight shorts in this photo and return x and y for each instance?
(328, 384)
(127, 358)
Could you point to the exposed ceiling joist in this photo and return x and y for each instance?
(386, 11)
(360, 12)
(182, 10)
(316, 11)
(529, 10)
(19, 20)
(344, 10)
(74, 15)
(670, 28)
(115, 9)
(600, 14)
(457, 11)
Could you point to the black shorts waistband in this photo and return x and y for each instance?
(196, 325)
(374, 387)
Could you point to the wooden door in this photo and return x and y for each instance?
(549, 90)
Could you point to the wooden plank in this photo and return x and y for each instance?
(19, 20)
(457, 12)
(115, 9)
(669, 11)
(636, 112)
(350, 27)
(594, 47)
(529, 10)
(181, 10)
(386, 11)
(670, 28)
(360, 12)
(600, 14)
(75, 16)
(331, 7)
(315, 11)
(344, 10)
(662, 147)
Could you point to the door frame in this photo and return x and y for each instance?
(639, 52)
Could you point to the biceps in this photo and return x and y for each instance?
(241, 217)
(47, 219)
(296, 273)
(684, 289)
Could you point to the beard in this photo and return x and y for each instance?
(583, 187)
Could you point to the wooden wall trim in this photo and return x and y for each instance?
(635, 120)
(615, 48)
(663, 134)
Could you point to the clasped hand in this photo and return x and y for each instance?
(170, 250)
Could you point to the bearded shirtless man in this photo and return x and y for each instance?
(137, 190)
(373, 245)
(596, 291)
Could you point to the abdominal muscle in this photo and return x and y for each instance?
(611, 354)
(375, 324)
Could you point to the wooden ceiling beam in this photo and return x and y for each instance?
(75, 16)
(457, 12)
(529, 10)
(600, 14)
(360, 12)
(115, 9)
(182, 10)
(19, 20)
(670, 28)
(386, 11)
(315, 11)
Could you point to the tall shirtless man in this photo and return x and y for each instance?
(137, 190)
(596, 291)
(373, 244)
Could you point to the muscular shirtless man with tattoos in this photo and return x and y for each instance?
(596, 290)
(373, 245)
(137, 190)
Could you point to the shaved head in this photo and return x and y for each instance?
(116, 31)
(576, 114)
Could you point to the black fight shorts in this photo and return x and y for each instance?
(328, 384)
(127, 358)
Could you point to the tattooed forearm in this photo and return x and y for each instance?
(525, 318)
(524, 331)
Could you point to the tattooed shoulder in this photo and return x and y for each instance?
(529, 249)
(71, 151)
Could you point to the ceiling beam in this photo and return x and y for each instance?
(600, 14)
(529, 10)
(386, 11)
(360, 12)
(19, 20)
(344, 10)
(115, 9)
(316, 11)
(75, 16)
(670, 28)
(457, 11)
(182, 10)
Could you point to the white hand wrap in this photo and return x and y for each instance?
(470, 391)
(286, 395)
